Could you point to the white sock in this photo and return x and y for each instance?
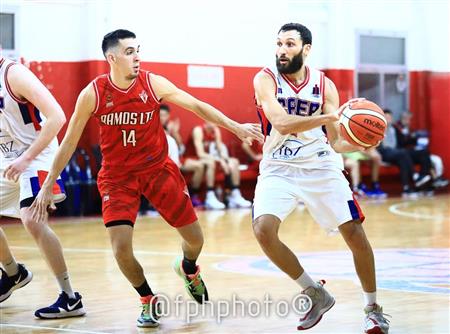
(64, 283)
(11, 268)
(370, 298)
(305, 281)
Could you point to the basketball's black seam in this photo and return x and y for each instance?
(381, 134)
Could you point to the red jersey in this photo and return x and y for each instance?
(131, 135)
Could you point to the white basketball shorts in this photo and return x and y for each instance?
(325, 192)
(14, 195)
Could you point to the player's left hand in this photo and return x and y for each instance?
(248, 132)
(42, 204)
(349, 102)
(13, 171)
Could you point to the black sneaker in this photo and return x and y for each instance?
(9, 284)
(64, 307)
(422, 180)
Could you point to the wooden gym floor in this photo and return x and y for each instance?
(410, 239)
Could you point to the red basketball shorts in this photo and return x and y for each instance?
(164, 188)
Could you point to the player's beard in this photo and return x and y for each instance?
(293, 66)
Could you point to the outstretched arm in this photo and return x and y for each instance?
(167, 91)
(83, 110)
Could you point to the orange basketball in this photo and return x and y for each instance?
(363, 123)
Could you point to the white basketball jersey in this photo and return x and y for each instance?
(20, 121)
(307, 149)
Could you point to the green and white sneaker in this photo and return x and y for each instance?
(149, 315)
(194, 284)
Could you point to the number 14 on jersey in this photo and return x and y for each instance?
(129, 137)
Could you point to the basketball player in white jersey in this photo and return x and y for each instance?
(296, 104)
(30, 119)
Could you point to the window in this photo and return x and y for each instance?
(382, 50)
(7, 40)
(381, 71)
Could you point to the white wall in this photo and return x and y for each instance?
(230, 32)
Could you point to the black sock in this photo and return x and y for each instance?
(194, 191)
(189, 266)
(144, 290)
(228, 182)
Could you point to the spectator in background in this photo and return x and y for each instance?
(390, 153)
(207, 138)
(416, 142)
(352, 162)
(188, 165)
(172, 127)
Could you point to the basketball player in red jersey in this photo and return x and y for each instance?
(295, 102)
(126, 103)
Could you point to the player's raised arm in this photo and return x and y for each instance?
(167, 91)
(280, 120)
(83, 110)
(26, 86)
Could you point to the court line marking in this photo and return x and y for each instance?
(395, 209)
(53, 328)
(141, 252)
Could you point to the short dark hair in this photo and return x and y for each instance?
(111, 39)
(305, 33)
(387, 111)
(164, 107)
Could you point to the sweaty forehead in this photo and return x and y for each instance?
(290, 34)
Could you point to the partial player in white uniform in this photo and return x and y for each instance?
(299, 109)
(30, 119)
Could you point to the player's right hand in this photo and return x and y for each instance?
(42, 204)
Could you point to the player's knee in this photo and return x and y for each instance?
(123, 251)
(35, 229)
(355, 236)
(264, 232)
